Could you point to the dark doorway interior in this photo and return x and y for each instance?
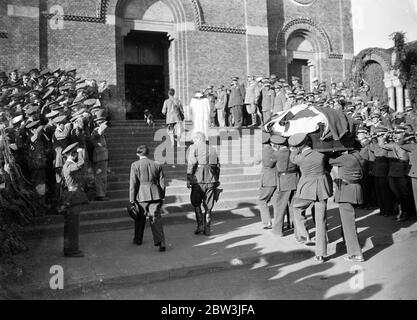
(299, 68)
(146, 73)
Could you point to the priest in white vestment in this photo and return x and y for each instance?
(200, 114)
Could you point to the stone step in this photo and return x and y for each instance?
(180, 172)
(177, 200)
(120, 182)
(179, 209)
(55, 227)
(181, 190)
(176, 185)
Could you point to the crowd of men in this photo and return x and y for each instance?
(294, 176)
(42, 113)
(54, 124)
(256, 101)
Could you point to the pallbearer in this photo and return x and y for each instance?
(315, 187)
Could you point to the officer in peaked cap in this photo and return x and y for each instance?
(287, 181)
(268, 182)
(73, 197)
(315, 187)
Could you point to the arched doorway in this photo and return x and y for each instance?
(151, 50)
(302, 57)
(373, 74)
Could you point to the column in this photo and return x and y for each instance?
(407, 98)
(391, 93)
(399, 91)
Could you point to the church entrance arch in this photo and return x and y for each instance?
(151, 54)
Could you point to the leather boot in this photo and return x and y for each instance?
(207, 224)
(200, 221)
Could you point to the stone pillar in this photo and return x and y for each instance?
(391, 92)
(407, 98)
(399, 92)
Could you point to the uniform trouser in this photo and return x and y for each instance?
(100, 178)
(401, 188)
(175, 129)
(283, 199)
(299, 207)
(58, 183)
(267, 195)
(203, 194)
(266, 116)
(152, 210)
(384, 195)
(347, 216)
(221, 118)
(414, 183)
(71, 229)
(237, 112)
(213, 116)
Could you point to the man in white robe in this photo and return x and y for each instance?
(200, 114)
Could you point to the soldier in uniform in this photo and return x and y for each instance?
(236, 101)
(146, 195)
(349, 194)
(37, 162)
(280, 99)
(399, 182)
(268, 183)
(100, 159)
(287, 180)
(250, 100)
(221, 104)
(315, 187)
(268, 96)
(380, 172)
(174, 113)
(73, 197)
(203, 175)
(60, 141)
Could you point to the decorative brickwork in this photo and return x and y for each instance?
(100, 18)
(312, 26)
(201, 26)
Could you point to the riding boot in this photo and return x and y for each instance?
(207, 223)
(200, 221)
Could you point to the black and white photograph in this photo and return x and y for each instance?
(208, 150)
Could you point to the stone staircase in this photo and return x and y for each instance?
(239, 181)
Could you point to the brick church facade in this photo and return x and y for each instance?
(151, 45)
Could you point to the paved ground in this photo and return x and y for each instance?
(240, 261)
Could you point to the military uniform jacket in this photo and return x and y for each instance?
(72, 173)
(349, 189)
(381, 165)
(173, 110)
(100, 151)
(203, 165)
(237, 96)
(315, 184)
(221, 101)
(60, 141)
(147, 181)
(399, 162)
(250, 97)
(268, 97)
(287, 172)
(279, 102)
(269, 171)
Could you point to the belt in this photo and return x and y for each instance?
(206, 165)
(346, 182)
